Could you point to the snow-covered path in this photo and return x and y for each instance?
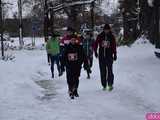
(135, 94)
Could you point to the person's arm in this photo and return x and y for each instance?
(47, 46)
(64, 57)
(95, 46)
(114, 48)
(85, 59)
(62, 41)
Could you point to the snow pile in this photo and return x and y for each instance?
(150, 3)
(109, 6)
(157, 50)
(141, 41)
(13, 8)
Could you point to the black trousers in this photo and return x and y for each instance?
(90, 59)
(106, 71)
(49, 58)
(90, 64)
(72, 79)
(61, 59)
(53, 60)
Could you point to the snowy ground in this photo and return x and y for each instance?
(28, 93)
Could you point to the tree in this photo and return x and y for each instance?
(130, 14)
(1, 29)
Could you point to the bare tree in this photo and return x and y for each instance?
(130, 14)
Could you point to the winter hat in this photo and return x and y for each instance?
(55, 34)
(75, 39)
(106, 27)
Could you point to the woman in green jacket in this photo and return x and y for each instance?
(53, 49)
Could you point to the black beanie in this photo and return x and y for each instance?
(106, 27)
(70, 29)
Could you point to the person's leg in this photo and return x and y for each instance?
(60, 58)
(52, 65)
(76, 86)
(88, 74)
(68, 78)
(110, 78)
(89, 71)
(70, 81)
(58, 64)
(91, 61)
(49, 58)
(103, 73)
(76, 81)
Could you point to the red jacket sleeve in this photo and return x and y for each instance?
(96, 43)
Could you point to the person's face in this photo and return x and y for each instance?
(87, 35)
(106, 31)
(73, 41)
(69, 33)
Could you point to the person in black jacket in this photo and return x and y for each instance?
(107, 53)
(73, 58)
(87, 43)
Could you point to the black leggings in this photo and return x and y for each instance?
(106, 68)
(53, 60)
(72, 80)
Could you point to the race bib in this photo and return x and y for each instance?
(67, 42)
(106, 44)
(72, 57)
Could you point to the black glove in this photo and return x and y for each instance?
(96, 54)
(115, 57)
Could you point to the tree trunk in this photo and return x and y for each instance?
(72, 18)
(130, 20)
(1, 30)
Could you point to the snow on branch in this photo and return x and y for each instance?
(109, 6)
(150, 3)
(65, 5)
(81, 2)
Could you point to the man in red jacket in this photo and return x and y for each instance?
(107, 53)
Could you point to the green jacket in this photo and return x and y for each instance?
(53, 46)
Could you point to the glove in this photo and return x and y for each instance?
(96, 54)
(115, 57)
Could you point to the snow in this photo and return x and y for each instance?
(150, 3)
(80, 3)
(13, 8)
(109, 6)
(28, 93)
(157, 50)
